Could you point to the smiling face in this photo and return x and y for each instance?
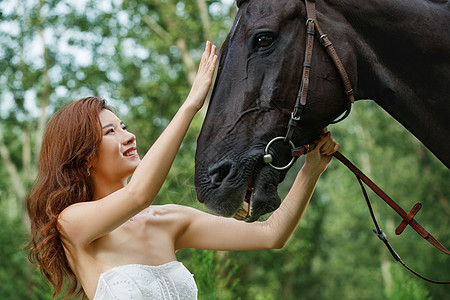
(117, 155)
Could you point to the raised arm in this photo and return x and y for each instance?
(87, 221)
(152, 172)
(219, 233)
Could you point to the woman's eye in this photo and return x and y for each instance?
(264, 40)
(125, 128)
(109, 131)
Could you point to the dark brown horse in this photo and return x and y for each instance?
(396, 52)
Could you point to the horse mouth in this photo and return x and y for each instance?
(245, 191)
(244, 211)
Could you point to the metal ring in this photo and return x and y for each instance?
(267, 153)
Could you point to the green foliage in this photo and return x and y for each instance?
(41, 289)
(403, 288)
(13, 265)
(214, 273)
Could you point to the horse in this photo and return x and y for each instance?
(395, 52)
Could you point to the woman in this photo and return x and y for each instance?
(101, 233)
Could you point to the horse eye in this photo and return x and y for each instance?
(264, 40)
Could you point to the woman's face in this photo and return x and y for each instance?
(117, 154)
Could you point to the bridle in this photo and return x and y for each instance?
(407, 218)
(311, 26)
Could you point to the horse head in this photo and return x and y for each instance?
(259, 74)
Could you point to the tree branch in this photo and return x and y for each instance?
(204, 15)
(46, 91)
(180, 43)
(188, 62)
(11, 169)
(156, 27)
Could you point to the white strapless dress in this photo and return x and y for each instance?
(169, 281)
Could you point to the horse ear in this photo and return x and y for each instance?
(239, 2)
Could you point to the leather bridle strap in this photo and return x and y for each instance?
(326, 43)
(302, 94)
(311, 26)
(382, 236)
(408, 219)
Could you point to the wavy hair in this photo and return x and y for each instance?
(70, 141)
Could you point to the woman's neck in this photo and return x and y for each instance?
(103, 188)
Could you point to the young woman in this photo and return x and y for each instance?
(92, 228)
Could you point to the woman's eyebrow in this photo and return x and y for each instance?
(112, 125)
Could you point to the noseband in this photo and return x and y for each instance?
(407, 218)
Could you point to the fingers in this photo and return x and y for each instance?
(209, 56)
(213, 59)
(207, 48)
(329, 148)
(207, 65)
(211, 49)
(326, 145)
(203, 78)
(320, 142)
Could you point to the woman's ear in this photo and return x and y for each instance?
(88, 165)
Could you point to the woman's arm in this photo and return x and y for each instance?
(87, 221)
(218, 233)
(152, 171)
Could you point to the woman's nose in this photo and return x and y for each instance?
(129, 138)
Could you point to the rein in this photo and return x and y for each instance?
(407, 218)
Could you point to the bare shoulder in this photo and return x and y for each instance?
(72, 211)
(70, 221)
(70, 215)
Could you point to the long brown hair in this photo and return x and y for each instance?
(70, 141)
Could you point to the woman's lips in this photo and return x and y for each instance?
(132, 152)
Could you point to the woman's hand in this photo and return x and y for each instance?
(203, 79)
(318, 159)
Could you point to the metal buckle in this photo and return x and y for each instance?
(310, 21)
(380, 234)
(293, 117)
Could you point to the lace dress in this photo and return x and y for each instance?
(169, 281)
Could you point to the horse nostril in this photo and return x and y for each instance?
(219, 173)
(215, 180)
